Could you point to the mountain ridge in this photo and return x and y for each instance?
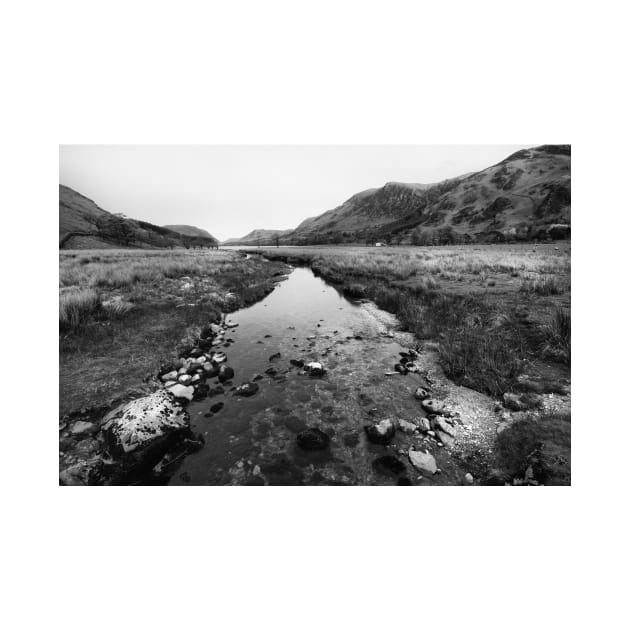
(527, 195)
(83, 224)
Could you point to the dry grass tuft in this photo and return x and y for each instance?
(76, 307)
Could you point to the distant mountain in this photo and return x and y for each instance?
(84, 225)
(189, 230)
(258, 237)
(527, 195)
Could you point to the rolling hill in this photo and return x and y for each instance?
(189, 230)
(258, 237)
(525, 196)
(84, 225)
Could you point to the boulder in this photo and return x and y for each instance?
(219, 357)
(225, 373)
(169, 376)
(421, 393)
(314, 368)
(440, 424)
(313, 439)
(381, 433)
(445, 438)
(297, 363)
(406, 427)
(247, 389)
(423, 461)
(468, 478)
(185, 379)
(401, 369)
(275, 357)
(431, 405)
(201, 391)
(424, 425)
(182, 391)
(147, 425)
(210, 369)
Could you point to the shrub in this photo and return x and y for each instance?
(557, 334)
(548, 285)
(76, 307)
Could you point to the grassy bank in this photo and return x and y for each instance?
(122, 313)
(498, 316)
(491, 309)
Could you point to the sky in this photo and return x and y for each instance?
(231, 190)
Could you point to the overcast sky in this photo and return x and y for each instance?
(231, 190)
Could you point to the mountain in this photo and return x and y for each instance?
(189, 230)
(527, 195)
(258, 237)
(84, 225)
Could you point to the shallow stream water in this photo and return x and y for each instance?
(253, 440)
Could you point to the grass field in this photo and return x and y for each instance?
(124, 312)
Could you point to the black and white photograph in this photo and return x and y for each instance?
(341, 289)
(315, 315)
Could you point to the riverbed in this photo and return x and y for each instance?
(252, 441)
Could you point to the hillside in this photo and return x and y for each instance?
(258, 237)
(84, 225)
(189, 230)
(527, 195)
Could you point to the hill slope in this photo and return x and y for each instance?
(258, 237)
(527, 195)
(84, 225)
(189, 230)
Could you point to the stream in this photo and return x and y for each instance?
(252, 440)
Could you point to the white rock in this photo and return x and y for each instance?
(423, 461)
(406, 427)
(424, 425)
(169, 376)
(185, 379)
(468, 478)
(136, 424)
(182, 391)
(443, 426)
(196, 378)
(170, 383)
(219, 357)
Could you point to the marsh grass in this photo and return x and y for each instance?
(545, 285)
(482, 343)
(120, 314)
(76, 307)
(557, 334)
